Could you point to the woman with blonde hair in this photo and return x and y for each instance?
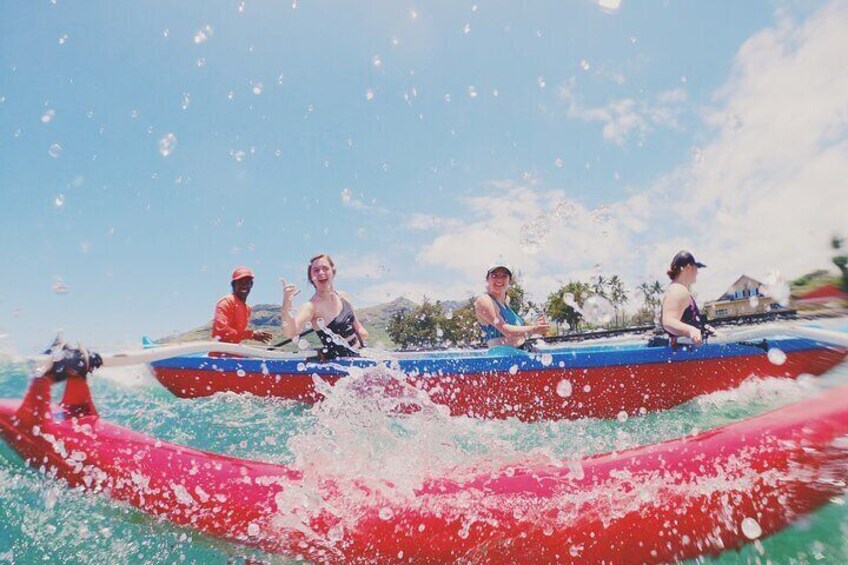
(328, 311)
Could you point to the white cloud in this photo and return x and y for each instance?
(627, 118)
(427, 222)
(765, 190)
(415, 291)
(768, 192)
(362, 267)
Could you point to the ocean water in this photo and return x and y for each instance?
(353, 434)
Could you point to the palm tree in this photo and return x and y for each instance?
(561, 310)
(599, 287)
(841, 261)
(618, 294)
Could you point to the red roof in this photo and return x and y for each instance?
(826, 291)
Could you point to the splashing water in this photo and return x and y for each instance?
(373, 433)
(776, 287)
(596, 310)
(534, 234)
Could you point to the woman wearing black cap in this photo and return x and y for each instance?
(680, 314)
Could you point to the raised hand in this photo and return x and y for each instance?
(289, 292)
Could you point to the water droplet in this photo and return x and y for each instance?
(55, 151)
(336, 533)
(575, 467)
(558, 162)
(466, 29)
(513, 370)
(58, 286)
(534, 234)
(201, 62)
(376, 61)
(186, 101)
(253, 529)
(369, 94)
(63, 39)
(751, 528)
(48, 116)
(584, 64)
(167, 144)
(386, 513)
(541, 82)
(203, 34)
(257, 89)
(241, 373)
(547, 359)
(238, 155)
(241, 7)
(59, 201)
(564, 388)
(302, 344)
(622, 416)
(52, 496)
(776, 356)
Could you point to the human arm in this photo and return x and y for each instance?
(675, 302)
(223, 325)
(357, 325)
(292, 324)
(488, 315)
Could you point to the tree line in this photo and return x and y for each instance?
(576, 306)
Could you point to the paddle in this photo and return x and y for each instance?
(289, 340)
(43, 363)
(818, 334)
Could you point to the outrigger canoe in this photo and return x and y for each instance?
(594, 381)
(667, 502)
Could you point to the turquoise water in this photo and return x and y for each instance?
(354, 433)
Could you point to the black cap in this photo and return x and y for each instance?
(684, 258)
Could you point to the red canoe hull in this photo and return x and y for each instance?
(658, 503)
(533, 395)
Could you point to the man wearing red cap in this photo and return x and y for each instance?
(232, 312)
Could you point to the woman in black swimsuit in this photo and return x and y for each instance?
(343, 335)
(680, 314)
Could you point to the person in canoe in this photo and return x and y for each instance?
(680, 316)
(232, 313)
(343, 335)
(501, 326)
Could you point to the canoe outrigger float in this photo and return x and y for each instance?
(594, 381)
(667, 502)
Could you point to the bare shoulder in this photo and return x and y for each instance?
(307, 307)
(676, 293)
(484, 302)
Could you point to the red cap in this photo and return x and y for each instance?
(241, 273)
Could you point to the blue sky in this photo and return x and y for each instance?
(148, 148)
